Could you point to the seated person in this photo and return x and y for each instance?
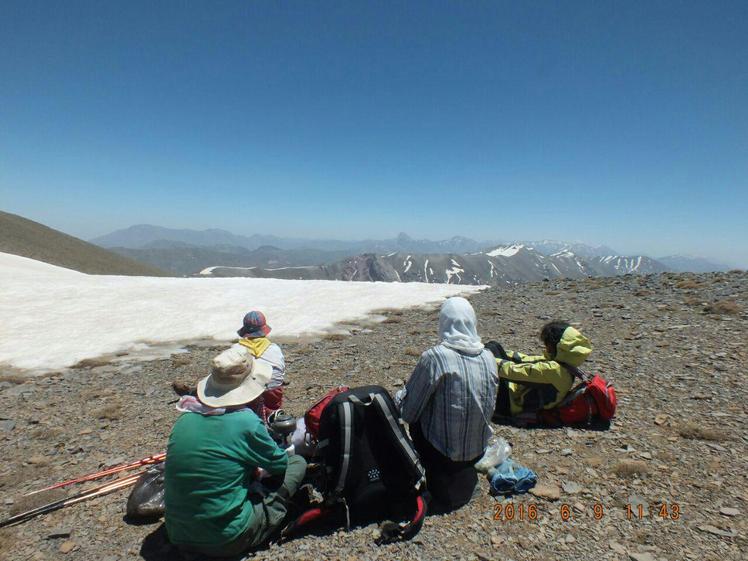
(214, 506)
(447, 403)
(529, 384)
(253, 333)
(254, 338)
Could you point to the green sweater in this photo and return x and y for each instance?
(210, 462)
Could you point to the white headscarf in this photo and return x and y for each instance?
(457, 326)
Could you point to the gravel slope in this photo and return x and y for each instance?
(677, 362)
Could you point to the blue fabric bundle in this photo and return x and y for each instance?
(509, 478)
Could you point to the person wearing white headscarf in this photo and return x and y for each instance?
(457, 326)
(448, 402)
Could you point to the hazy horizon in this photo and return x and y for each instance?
(385, 236)
(619, 124)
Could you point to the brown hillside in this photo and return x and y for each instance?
(27, 238)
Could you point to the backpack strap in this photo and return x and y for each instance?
(392, 531)
(397, 431)
(577, 373)
(580, 388)
(346, 430)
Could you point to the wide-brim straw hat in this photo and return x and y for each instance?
(236, 379)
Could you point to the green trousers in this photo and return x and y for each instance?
(270, 507)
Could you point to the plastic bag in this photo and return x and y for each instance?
(301, 440)
(146, 500)
(498, 450)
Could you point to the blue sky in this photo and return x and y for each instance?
(623, 123)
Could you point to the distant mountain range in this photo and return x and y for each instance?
(144, 236)
(182, 259)
(549, 247)
(691, 264)
(222, 253)
(498, 266)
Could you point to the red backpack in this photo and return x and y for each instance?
(313, 415)
(593, 398)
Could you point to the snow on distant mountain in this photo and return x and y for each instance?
(550, 247)
(153, 310)
(692, 264)
(498, 266)
(188, 252)
(622, 265)
(505, 251)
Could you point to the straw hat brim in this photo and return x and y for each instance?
(214, 395)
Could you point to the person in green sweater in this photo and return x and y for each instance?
(531, 383)
(214, 504)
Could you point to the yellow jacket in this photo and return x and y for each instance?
(542, 382)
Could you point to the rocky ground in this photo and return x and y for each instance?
(673, 345)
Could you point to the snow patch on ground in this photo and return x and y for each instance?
(51, 317)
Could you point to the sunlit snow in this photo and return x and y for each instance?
(52, 317)
(506, 251)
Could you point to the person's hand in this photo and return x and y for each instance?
(497, 350)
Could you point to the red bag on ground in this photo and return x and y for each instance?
(312, 417)
(593, 398)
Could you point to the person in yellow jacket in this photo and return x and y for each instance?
(530, 383)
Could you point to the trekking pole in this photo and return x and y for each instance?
(154, 459)
(82, 496)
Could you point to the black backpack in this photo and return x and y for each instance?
(371, 469)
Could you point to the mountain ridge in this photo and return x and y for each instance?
(500, 266)
(24, 237)
(186, 251)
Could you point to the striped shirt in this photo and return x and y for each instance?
(452, 395)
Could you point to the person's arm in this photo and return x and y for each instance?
(522, 357)
(274, 356)
(541, 372)
(264, 452)
(418, 390)
(500, 353)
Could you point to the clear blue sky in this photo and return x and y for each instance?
(623, 123)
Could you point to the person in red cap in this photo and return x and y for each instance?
(254, 336)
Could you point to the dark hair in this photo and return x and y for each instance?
(552, 332)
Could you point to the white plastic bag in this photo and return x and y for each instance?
(301, 442)
(498, 450)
